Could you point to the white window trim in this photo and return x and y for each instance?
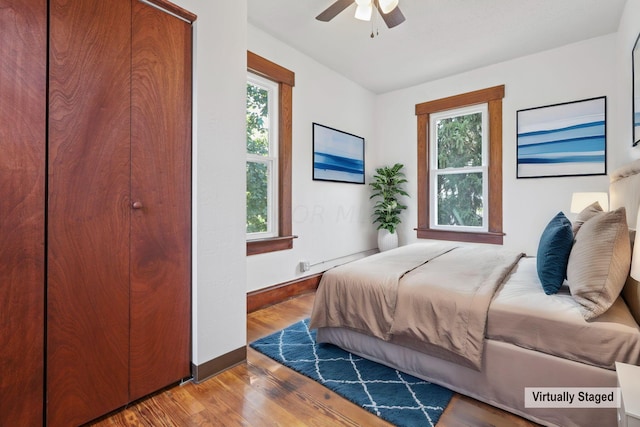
(272, 159)
(434, 172)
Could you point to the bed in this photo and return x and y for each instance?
(489, 329)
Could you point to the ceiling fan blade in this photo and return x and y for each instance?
(393, 18)
(333, 10)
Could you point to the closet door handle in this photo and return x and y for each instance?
(137, 205)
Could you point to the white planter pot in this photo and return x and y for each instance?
(387, 240)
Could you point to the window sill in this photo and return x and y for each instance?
(270, 244)
(461, 236)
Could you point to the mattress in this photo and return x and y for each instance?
(522, 314)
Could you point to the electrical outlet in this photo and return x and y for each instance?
(304, 266)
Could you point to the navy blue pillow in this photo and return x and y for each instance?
(553, 253)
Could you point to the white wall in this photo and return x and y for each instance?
(330, 219)
(582, 70)
(219, 269)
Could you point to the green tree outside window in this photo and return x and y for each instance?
(257, 172)
(460, 194)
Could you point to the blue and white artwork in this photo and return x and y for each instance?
(337, 156)
(563, 140)
(635, 68)
(636, 121)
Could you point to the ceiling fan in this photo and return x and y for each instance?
(388, 9)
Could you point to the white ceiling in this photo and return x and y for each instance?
(439, 37)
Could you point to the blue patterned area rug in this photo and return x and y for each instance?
(394, 396)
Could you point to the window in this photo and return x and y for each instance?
(262, 157)
(269, 129)
(460, 167)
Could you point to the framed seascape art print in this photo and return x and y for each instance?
(567, 139)
(337, 156)
(635, 82)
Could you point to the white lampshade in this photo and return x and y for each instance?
(387, 5)
(363, 11)
(635, 257)
(579, 201)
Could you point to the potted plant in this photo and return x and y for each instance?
(388, 188)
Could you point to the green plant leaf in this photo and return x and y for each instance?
(387, 187)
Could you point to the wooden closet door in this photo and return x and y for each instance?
(23, 78)
(88, 209)
(161, 184)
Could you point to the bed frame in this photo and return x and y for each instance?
(500, 383)
(506, 368)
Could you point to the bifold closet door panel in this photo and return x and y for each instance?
(161, 184)
(88, 209)
(23, 82)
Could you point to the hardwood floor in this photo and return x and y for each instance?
(262, 392)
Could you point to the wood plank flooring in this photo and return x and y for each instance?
(262, 392)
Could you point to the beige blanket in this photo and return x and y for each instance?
(432, 297)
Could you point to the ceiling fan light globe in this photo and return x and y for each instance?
(387, 5)
(364, 2)
(363, 12)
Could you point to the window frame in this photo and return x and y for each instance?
(492, 97)
(286, 81)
